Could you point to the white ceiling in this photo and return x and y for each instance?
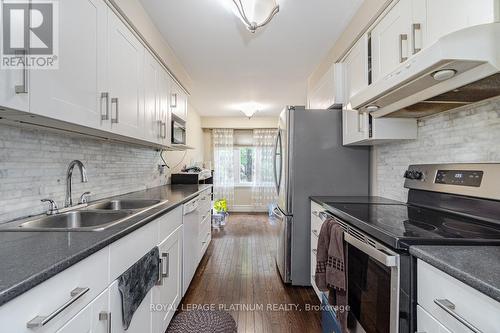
(230, 66)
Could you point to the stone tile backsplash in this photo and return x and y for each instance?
(33, 164)
(466, 135)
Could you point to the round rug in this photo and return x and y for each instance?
(197, 321)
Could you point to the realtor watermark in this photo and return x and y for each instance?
(30, 34)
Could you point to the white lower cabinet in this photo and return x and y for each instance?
(316, 223)
(452, 306)
(168, 293)
(94, 318)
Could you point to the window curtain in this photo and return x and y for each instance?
(264, 191)
(223, 165)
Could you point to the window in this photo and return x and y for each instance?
(244, 164)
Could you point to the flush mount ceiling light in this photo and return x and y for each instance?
(249, 109)
(251, 12)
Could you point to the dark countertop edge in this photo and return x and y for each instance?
(16, 290)
(487, 289)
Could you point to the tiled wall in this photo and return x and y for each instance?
(33, 164)
(470, 134)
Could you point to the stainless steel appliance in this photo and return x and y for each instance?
(178, 131)
(447, 204)
(310, 160)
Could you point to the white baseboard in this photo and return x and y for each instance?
(247, 209)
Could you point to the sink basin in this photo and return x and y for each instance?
(74, 221)
(124, 204)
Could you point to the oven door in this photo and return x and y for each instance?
(373, 286)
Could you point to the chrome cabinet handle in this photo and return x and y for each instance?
(315, 233)
(23, 88)
(164, 127)
(315, 213)
(315, 252)
(115, 120)
(173, 100)
(414, 28)
(167, 259)
(40, 321)
(402, 38)
(106, 316)
(105, 96)
(449, 308)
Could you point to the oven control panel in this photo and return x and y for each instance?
(470, 178)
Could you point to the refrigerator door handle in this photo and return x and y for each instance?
(275, 167)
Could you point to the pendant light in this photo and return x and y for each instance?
(255, 13)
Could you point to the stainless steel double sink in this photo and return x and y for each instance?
(95, 217)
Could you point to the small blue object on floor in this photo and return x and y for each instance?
(205, 321)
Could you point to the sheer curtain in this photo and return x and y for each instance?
(263, 191)
(223, 165)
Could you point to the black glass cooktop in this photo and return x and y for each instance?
(403, 225)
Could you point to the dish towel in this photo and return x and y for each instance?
(331, 267)
(136, 282)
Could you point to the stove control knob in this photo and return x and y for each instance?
(413, 174)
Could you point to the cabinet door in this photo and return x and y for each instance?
(9, 98)
(152, 125)
(356, 69)
(446, 16)
(355, 126)
(72, 93)
(169, 292)
(125, 79)
(178, 102)
(165, 86)
(141, 320)
(391, 39)
(92, 319)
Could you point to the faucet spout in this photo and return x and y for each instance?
(69, 174)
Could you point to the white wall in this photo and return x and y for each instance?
(470, 134)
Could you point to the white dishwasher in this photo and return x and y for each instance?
(190, 245)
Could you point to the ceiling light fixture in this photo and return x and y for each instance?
(250, 109)
(255, 13)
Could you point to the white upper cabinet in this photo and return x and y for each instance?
(356, 69)
(73, 92)
(10, 81)
(152, 124)
(445, 16)
(165, 87)
(390, 39)
(125, 79)
(329, 89)
(178, 102)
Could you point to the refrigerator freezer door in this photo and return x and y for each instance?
(283, 249)
(283, 176)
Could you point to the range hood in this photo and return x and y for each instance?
(459, 69)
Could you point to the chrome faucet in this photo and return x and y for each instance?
(83, 172)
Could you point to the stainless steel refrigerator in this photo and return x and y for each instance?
(309, 160)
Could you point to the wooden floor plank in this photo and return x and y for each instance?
(239, 270)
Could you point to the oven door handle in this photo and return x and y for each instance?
(377, 254)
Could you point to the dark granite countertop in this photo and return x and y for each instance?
(476, 266)
(29, 258)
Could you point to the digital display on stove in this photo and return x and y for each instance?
(459, 177)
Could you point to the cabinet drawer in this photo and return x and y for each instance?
(169, 222)
(434, 286)
(129, 249)
(54, 294)
(427, 323)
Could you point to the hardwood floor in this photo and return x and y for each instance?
(239, 271)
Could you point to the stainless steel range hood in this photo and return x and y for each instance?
(459, 69)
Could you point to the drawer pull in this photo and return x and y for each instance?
(449, 307)
(315, 233)
(106, 316)
(315, 213)
(165, 257)
(40, 321)
(315, 252)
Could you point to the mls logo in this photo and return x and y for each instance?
(29, 34)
